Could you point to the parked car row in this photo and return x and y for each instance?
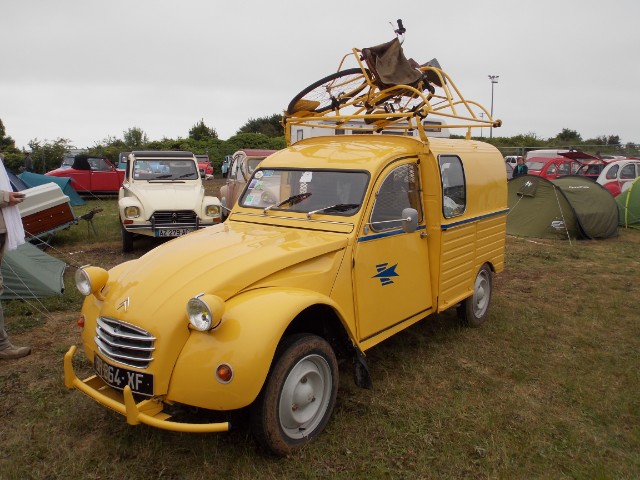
(613, 173)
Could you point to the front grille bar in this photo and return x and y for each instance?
(124, 343)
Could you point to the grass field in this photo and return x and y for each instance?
(549, 387)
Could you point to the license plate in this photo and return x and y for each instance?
(172, 232)
(141, 383)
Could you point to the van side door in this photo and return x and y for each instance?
(391, 274)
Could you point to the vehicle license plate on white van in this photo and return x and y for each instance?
(172, 232)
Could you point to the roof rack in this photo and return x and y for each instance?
(403, 108)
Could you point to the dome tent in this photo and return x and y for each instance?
(629, 205)
(28, 272)
(572, 207)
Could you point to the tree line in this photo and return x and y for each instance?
(267, 133)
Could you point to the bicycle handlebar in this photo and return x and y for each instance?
(401, 30)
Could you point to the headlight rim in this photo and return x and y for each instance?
(212, 308)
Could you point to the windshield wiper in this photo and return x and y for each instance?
(161, 176)
(340, 207)
(292, 200)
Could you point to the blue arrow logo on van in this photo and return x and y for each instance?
(385, 273)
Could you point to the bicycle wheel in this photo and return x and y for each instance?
(330, 92)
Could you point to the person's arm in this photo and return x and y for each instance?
(10, 198)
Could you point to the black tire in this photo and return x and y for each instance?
(329, 92)
(299, 394)
(127, 241)
(474, 310)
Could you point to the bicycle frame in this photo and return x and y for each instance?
(378, 114)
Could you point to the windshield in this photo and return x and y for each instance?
(169, 169)
(327, 192)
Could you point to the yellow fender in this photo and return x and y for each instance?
(252, 325)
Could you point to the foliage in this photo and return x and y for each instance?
(135, 138)
(568, 136)
(48, 155)
(268, 133)
(7, 144)
(12, 156)
(269, 126)
(200, 131)
(255, 140)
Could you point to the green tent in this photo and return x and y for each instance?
(629, 206)
(28, 272)
(572, 207)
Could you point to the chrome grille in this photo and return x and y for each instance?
(175, 219)
(124, 343)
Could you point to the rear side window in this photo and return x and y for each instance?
(628, 172)
(454, 188)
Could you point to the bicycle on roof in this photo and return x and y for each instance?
(385, 88)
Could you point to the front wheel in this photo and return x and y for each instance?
(474, 310)
(299, 395)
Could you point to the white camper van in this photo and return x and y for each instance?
(433, 128)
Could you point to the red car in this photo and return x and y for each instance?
(91, 174)
(552, 168)
(204, 165)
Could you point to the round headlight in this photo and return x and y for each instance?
(205, 312)
(83, 284)
(212, 210)
(90, 280)
(131, 212)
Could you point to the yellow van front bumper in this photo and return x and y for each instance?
(149, 412)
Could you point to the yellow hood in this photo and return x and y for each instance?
(222, 260)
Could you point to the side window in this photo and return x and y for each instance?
(564, 168)
(399, 190)
(575, 166)
(454, 188)
(552, 169)
(628, 172)
(98, 164)
(613, 172)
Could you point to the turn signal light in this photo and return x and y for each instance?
(224, 373)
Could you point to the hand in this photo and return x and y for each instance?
(16, 198)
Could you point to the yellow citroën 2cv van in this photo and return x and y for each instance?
(337, 243)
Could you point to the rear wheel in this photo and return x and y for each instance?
(127, 240)
(474, 310)
(330, 92)
(299, 394)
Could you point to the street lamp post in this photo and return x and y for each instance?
(481, 129)
(494, 80)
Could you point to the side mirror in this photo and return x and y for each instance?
(409, 220)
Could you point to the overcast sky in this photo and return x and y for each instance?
(86, 70)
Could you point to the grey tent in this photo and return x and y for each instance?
(28, 272)
(573, 207)
(35, 179)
